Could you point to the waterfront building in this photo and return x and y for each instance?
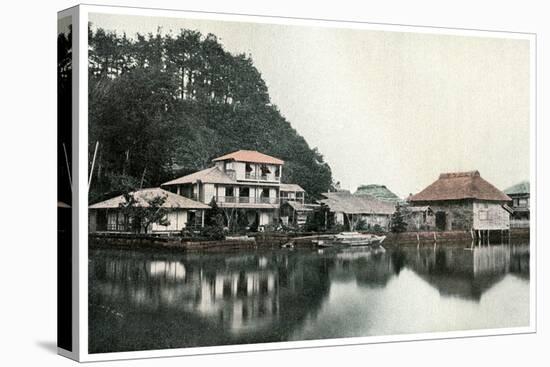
(520, 194)
(292, 192)
(464, 201)
(245, 180)
(349, 210)
(181, 212)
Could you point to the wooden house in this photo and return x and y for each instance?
(350, 209)
(295, 213)
(520, 194)
(293, 209)
(108, 216)
(464, 201)
(291, 192)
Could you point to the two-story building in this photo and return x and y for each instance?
(244, 180)
(520, 195)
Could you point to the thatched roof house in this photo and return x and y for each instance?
(381, 192)
(464, 201)
(460, 186)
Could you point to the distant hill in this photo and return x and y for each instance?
(165, 105)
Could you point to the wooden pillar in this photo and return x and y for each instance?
(202, 219)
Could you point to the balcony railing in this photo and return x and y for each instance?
(260, 177)
(247, 200)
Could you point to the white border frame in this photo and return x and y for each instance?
(80, 105)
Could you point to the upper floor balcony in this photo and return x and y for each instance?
(261, 177)
(247, 200)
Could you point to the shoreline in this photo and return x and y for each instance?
(277, 240)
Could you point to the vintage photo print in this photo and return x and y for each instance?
(259, 182)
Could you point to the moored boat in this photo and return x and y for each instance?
(358, 239)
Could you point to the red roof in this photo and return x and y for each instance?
(459, 186)
(250, 156)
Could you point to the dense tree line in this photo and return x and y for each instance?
(163, 105)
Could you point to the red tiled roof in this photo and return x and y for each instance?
(250, 156)
(459, 186)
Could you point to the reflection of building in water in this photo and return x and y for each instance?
(370, 268)
(519, 261)
(256, 297)
(465, 273)
(246, 300)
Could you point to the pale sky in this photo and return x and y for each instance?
(390, 108)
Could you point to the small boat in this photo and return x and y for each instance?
(358, 239)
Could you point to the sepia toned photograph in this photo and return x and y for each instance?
(261, 182)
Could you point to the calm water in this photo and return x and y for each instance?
(147, 300)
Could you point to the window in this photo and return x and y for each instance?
(278, 172)
(229, 191)
(248, 171)
(228, 166)
(522, 202)
(264, 171)
(483, 215)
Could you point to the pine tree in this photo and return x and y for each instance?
(398, 223)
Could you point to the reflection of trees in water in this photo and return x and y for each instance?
(146, 301)
(468, 273)
(368, 267)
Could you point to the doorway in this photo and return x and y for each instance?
(440, 221)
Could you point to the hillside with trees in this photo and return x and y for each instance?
(163, 105)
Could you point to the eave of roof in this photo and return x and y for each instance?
(173, 201)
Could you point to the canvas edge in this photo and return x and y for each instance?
(75, 321)
(82, 245)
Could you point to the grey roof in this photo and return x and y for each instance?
(298, 206)
(209, 175)
(380, 192)
(291, 187)
(344, 201)
(142, 196)
(520, 188)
